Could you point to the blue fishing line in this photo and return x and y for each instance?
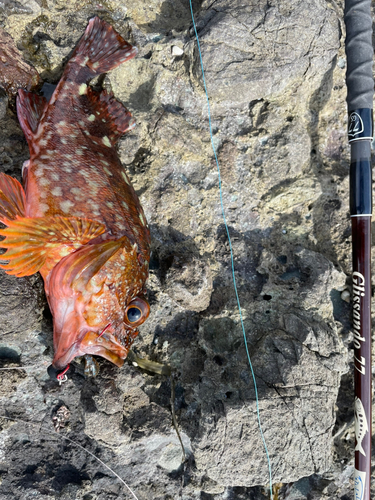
(231, 253)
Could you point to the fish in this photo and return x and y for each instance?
(361, 426)
(78, 220)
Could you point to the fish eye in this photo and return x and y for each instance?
(137, 312)
(134, 314)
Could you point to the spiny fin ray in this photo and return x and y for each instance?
(12, 198)
(30, 108)
(28, 241)
(109, 114)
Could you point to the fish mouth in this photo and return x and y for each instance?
(91, 343)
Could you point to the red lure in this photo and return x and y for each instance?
(79, 221)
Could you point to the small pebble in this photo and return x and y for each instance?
(341, 63)
(177, 51)
(345, 295)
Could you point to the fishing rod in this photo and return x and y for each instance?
(360, 85)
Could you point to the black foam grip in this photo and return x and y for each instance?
(359, 54)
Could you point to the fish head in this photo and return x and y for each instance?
(97, 314)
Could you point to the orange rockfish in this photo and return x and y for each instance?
(79, 221)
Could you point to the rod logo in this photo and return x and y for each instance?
(361, 426)
(358, 292)
(355, 126)
(359, 484)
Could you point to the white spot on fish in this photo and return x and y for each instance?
(94, 204)
(82, 123)
(79, 152)
(66, 205)
(125, 205)
(43, 207)
(91, 118)
(56, 191)
(83, 63)
(44, 182)
(43, 142)
(39, 172)
(78, 193)
(64, 141)
(82, 89)
(141, 219)
(106, 141)
(108, 172)
(55, 176)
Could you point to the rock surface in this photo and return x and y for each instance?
(275, 73)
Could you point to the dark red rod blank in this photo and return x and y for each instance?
(361, 233)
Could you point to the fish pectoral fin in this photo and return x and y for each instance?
(30, 108)
(114, 118)
(77, 269)
(29, 241)
(12, 198)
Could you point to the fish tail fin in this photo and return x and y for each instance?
(12, 199)
(101, 48)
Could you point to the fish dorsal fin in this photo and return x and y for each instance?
(76, 270)
(12, 198)
(30, 108)
(29, 242)
(108, 115)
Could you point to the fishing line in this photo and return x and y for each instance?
(231, 253)
(75, 444)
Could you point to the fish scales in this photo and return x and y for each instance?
(79, 221)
